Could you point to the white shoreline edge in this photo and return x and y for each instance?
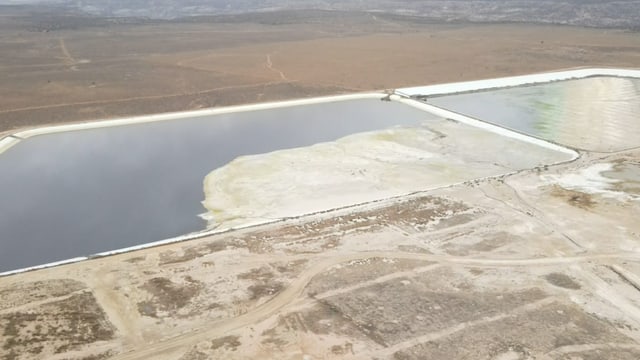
(487, 126)
(469, 86)
(14, 138)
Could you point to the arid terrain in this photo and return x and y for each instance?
(69, 69)
(507, 268)
(589, 13)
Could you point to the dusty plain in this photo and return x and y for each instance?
(512, 267)
(69, 69)
(506, 268)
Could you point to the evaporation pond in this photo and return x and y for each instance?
(596, 114)
(79, 193)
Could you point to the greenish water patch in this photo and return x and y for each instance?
(597, 113)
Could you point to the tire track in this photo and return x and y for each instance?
(388, 352)
(591, 347)
(279, 72)
(67, 58)
(150, 97)
(295, 289)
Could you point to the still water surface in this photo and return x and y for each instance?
(596, 114)
(80, 193)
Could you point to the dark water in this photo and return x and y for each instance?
(80, 193)
(596, 114)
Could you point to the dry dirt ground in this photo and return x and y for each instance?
(95, 71)
(514, 267)
(506, 268)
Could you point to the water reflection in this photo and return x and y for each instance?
(79, 193)
(597, 114)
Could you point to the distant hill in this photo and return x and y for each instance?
(592, 13)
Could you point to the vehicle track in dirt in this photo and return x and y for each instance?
(296, 288)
